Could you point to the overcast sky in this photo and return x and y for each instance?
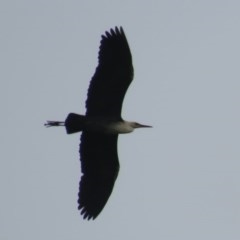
(179, 180)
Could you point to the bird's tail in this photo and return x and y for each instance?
(54, 124)
(73, 123)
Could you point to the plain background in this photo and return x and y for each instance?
(179, 180)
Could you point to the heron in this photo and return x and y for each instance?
(102, 123)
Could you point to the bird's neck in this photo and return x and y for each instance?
(120, 127)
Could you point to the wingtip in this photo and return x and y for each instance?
(121, 29)
(86, 215)
(113, 32)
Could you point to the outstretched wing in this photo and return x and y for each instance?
(100, 168)
(112, 77)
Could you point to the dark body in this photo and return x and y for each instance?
(98, 150)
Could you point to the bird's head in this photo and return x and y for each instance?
(138, 125)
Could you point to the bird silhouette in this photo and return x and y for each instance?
(102, 123)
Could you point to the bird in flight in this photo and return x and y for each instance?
(102, 123)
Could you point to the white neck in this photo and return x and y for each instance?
(121, 127)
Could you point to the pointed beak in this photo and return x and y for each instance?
(144, 126)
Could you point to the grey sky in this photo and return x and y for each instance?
(179, 180)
